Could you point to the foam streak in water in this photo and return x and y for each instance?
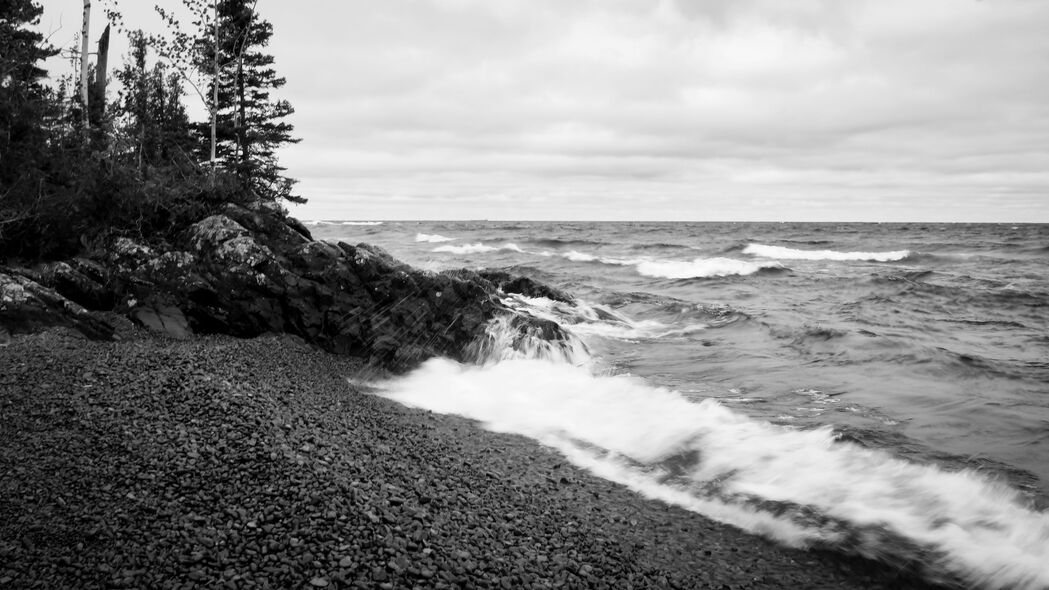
(781, 253)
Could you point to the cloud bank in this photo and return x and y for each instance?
(671, 109)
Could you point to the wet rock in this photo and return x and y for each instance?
(526, 286)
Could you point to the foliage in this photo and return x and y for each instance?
(251, 124)
(141, 174)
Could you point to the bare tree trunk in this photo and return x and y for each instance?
(242, 112)
(83, 61)
(215, 89)
(100, 72)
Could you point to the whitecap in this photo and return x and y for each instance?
(477, 248)
(432, 238)
(782, 253)
(764, 478)
(701, 268)
(576, 256)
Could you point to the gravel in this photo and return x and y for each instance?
(225, 463)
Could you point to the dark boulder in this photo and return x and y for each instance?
(26, 306)
(519, 285)
(79, 280)
(251, 270)
(162, 319)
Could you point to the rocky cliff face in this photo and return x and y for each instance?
(251, 271)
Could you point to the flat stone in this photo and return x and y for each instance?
(163, 319)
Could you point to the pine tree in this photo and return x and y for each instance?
(154, 118)
(23, 99)
(252, 123)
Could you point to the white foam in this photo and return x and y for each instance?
(588, 320)
(579, 256)
(477, 248)
(576, 256)
(781, 253)
(432, 238)
(362, 223)
(625, 430)
(701, 268)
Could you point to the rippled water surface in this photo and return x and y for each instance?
(929, 339)
(878, 388)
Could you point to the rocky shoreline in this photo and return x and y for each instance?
(218, 462)
(253, 270)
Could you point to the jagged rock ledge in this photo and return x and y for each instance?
(253, 270)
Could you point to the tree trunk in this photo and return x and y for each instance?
(83, 62)
(242, 113)
(215, 89)
(98, 109)
(100, 72)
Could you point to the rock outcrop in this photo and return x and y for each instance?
(252, 271)
(27, 306)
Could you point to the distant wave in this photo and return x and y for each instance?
(432, 238)
(575, 256)
(555, 242)
(659, 246)
(781, 253)
(477, 248)
(361, 223)
(703, 268)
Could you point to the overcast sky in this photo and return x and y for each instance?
(867, 110)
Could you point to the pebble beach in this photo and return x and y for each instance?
(217, 462)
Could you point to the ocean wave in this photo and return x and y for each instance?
(782, 253)
(557, 242)
(703, 268)
(432, 238)
(576, 256)
(800, 487)
(590, 320)
(361, 223)
(661, 246)
(477, 248)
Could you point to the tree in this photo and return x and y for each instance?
(84, 91)
(251, 124)
(23, 99)
(151, 108)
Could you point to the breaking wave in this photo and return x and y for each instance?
(782, 253)
(703, 268)
(477, 248)
(432, 238)
(575, 256)
(800, 487)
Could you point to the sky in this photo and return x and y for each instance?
(697, 110)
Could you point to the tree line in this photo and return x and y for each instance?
(79, 165)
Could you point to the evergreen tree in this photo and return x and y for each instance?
(252, 123)
(23, 99)
(153, 115)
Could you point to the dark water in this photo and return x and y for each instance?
(927, 343)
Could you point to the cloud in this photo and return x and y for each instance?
(809, 108)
